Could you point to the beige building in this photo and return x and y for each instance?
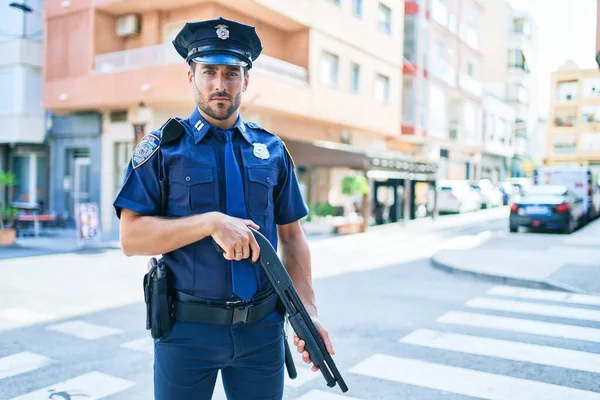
(574, 119)
(510, 50)
(327, 83)
(442, 92)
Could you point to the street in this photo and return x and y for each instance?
(73, 325)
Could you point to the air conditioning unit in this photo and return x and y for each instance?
(128, 25)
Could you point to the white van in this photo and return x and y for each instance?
(582, 181)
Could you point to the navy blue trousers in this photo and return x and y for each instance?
(250, 356)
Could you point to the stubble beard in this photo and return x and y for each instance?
(222, 111)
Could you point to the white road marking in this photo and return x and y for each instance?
(550, 295)
(91, 386)
(521, 325)
(145, 345)
(532, 353)
(84, 330)
(20, 363)
(535, 309)
(322, 395)
(464, 381)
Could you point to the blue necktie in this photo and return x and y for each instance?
(242, 272)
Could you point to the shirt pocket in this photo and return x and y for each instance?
(193, 188)
(259, 189)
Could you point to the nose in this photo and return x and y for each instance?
(220, 83)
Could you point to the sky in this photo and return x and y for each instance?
(567, 30)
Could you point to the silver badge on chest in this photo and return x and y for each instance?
(261, 151)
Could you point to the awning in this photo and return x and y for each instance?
(378, 164)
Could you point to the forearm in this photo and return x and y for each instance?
(296, 258)
(148, 235)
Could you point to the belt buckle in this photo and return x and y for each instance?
(240, 315)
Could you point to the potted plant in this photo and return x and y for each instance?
(8, 214)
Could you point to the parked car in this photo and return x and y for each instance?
(457, 197)
(489, 195)
(548, 206)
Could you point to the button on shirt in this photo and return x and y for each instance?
(195, 168)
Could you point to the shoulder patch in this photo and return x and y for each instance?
(144, 150)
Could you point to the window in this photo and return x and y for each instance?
(329, 69)
(518, 93)
(355, 78)
(591, 87)
(382, 88)
(516, 59)
(470, 69)
(410, 37)
(385, 18)
(338, 2)
(357, 7)
(521, 26)
(409, 106)
(567, 91)
(590, 114)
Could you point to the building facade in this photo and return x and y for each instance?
(498, 139)
(23, 148)
(510, 37)
(574, 119)
(442, 89)
(324, 82)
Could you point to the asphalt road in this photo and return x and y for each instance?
(402, 329)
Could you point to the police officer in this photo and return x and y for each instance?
(223, 175)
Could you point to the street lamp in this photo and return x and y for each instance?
(26, 9)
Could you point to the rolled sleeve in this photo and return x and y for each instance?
(289, 203)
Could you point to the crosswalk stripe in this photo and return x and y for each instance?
(521, 325)
(304, 375)
(464, 381)
(20, 363)
(90, 386)
(84, 330)
(534, 308)
(145, 345)
(322, 395)
(550, 295)
(532, 353)
(25, 315)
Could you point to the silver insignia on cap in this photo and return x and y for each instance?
(222, 32)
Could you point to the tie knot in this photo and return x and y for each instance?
(228, 134)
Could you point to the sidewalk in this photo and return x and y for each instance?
(559, 262)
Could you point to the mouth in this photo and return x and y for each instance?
(220, 99)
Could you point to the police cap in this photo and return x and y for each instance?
(218, 42)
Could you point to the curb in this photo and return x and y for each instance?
(547, 284)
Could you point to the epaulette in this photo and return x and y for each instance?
(254, 125)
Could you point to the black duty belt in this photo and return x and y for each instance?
(194, 309)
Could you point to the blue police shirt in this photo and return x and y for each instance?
(195, 168)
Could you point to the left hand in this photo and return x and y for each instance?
(324, 334)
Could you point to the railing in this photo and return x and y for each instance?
(444, 71)
(470, 84)
(165, 54)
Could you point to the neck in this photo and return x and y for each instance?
(221, 123)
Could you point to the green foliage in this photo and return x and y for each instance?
(355, 184)
(8, 213)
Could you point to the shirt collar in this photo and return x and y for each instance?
(200, 126)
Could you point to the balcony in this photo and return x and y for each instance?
(443, 71)
(439, 13)
(469, 36)
(470, 84)
(165, 54)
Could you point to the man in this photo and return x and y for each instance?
(223, 176)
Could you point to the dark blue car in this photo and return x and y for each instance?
(549, 207)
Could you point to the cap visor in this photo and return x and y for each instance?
(220, 59)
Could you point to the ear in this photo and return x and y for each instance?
(190, 76)
(246, 80)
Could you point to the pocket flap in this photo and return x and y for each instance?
(192, 175)
(265, 176)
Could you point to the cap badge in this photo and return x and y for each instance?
(222, 32)
(261, 151)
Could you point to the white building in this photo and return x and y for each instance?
(509, 51)
(22, 127)
(498, 138)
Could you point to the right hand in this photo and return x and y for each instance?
(234, 237)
